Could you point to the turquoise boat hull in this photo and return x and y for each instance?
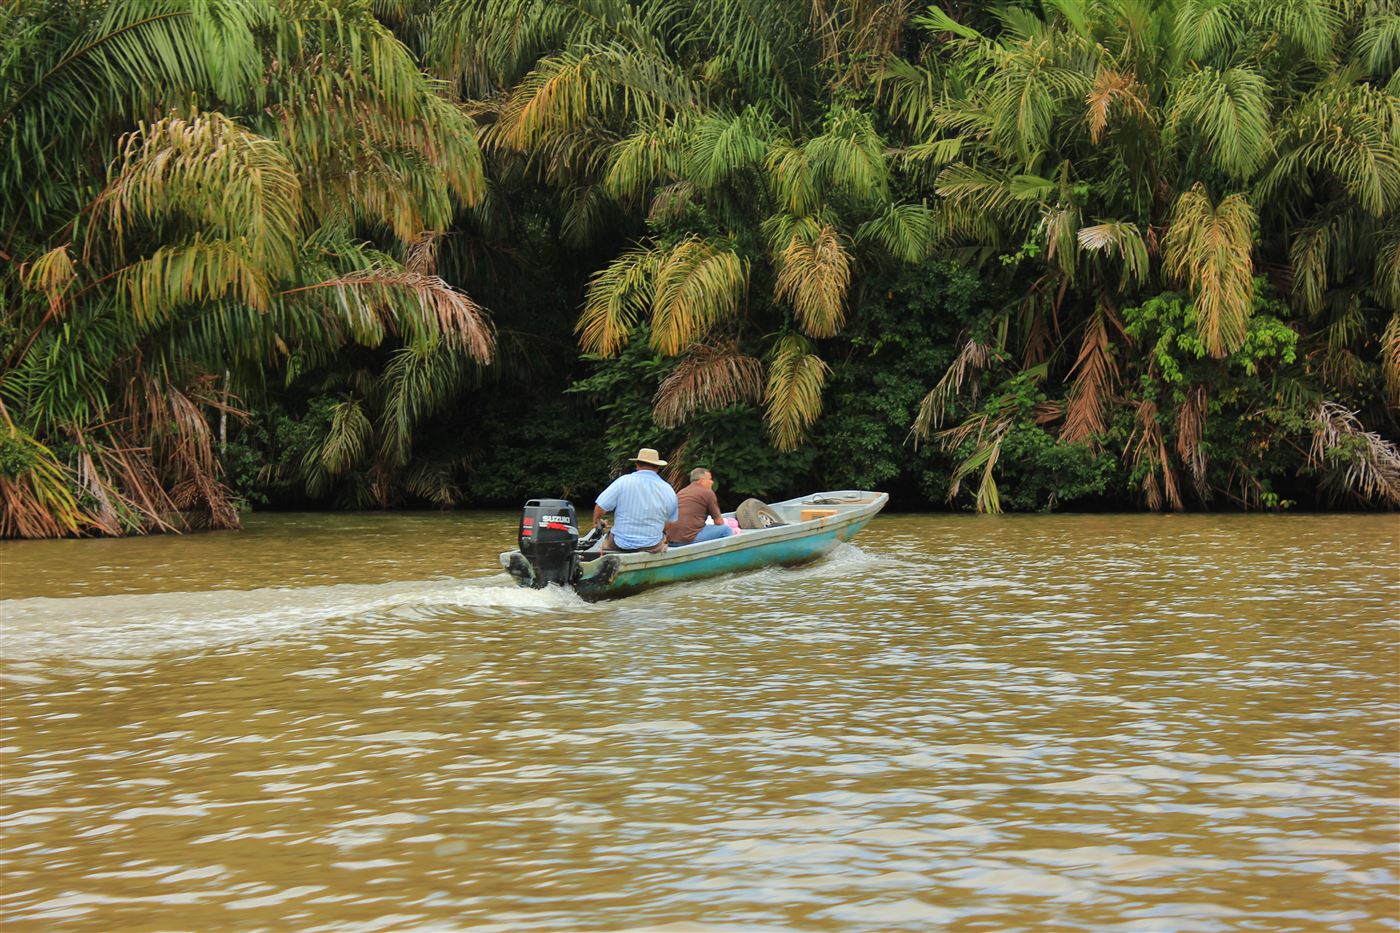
(815, 525)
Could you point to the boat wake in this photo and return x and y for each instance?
(148, 624)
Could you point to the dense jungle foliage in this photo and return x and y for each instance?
(1027, 254)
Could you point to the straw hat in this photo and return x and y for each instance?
(649, 456)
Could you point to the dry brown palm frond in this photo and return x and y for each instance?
(972, 358)
(1094, 374)
(874, 30)
(1190, 426)
(1048, 412)
(1123, 240)
(707, 378)
(1208, 250)
(1372, 463)
(130, 470)
(455, 317)
(172, 420)
(1060, 224)
(1037, 331)
(677, 469)
(814, 271)
(94, 481)
(793, 397)
(1149, 454)
(1114, 87)
(422, 253)
(669, 203)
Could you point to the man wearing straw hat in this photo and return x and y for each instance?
(642, 503)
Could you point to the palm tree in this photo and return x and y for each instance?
(165, 254)
(718, 123)
(1121, 150)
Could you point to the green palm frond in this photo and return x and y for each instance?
(935, 19)
(792, 178)
(760, 45)
(1312, 27)
(36, 498)
(849, 157)
(235, 185)
(986, 452)
(696, 285)
(433, 481)
(618, 297)
(586, 215)
(74, 70)
(1323, 250)
(641, 160)
(972, 358)
(53, 273)
(669, 204)
(793, 397)
(904, 231)
(1390, 358)
(201, 272)
(721, 146)
(1207, 249)
(1348, 133)
(488, 45)
(1378, 48)
(980, 189)
(1060, 225)
(911, 92)
(1387, 272)
(420, 380)
(1035, 80)
(571, 90)
(1206, 30)
(348, 439)
(1230, 109)
(398, 158)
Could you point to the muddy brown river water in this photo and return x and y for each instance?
(356, 723)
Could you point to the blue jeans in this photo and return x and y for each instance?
(710, 533)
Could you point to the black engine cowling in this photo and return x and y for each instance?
(548, 540)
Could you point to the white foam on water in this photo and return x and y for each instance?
(91, 628)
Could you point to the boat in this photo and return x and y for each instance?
(796, 531)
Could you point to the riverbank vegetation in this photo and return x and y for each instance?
(380, 253)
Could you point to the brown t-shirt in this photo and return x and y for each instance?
(694, 502)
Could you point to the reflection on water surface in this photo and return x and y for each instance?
(1130, 723)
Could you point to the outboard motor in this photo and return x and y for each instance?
(548, 539)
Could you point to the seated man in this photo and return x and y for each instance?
(694, 503)
(642, 503)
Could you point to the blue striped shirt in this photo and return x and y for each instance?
(642, 503)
